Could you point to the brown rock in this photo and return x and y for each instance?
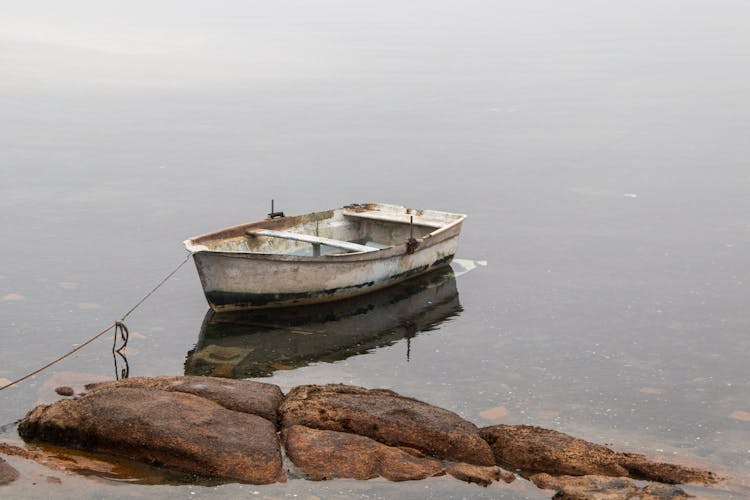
(323, 454)
(245, 396)
(619, 488)
(64, 390)
(535, 449)
(7, 473)
(639, 467)
(387, 417)
(480, 474)
(172, 429)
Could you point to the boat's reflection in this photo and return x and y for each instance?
(257, 343)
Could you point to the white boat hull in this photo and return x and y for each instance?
(234, 280)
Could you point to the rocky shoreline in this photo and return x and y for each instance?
(240, 430)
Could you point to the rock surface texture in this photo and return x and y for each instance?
(386, 417)
(535, 449)
(228, 429)
(245, 396)
(171, 429)
(325, 454)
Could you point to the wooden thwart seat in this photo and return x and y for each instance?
(315, 240)
(399, 218)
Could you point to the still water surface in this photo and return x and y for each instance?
(599, 148)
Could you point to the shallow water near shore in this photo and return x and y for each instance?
(599, 150)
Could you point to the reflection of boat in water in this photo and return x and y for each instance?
(257, 343)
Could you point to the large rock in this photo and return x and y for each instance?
(7, 473)
(387, 417)
(245, 396)
(171, 429)
(604, 487)
(535, 449)
(325, 454)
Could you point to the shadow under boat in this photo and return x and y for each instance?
(258, 343)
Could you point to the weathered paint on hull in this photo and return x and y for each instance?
(234, 282)
(268, 263)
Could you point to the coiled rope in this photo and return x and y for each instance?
(118, 326)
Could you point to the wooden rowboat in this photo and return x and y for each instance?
(323, 256)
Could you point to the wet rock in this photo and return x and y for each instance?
(535, 449)
(65, 390)
(388, 418)
(480, 474)
(245, 396)
(226, 429)
(7, 473)
(323, 454)
(604, 487)
(172, 429)
(59, 461)
(639, 467)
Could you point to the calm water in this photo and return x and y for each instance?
(599, 148)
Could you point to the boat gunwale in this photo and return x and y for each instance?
(425, 241)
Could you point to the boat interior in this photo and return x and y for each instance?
(354, 228)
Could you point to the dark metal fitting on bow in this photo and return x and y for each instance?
(274, 215)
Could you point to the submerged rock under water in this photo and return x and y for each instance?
(536, 449)
(229, 429)
(7, 473)
(611, 488)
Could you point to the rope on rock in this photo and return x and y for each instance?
(118, 326)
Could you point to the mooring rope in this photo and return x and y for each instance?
(119, 327)
(124, 316)
(122, 329)
(60, 358)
